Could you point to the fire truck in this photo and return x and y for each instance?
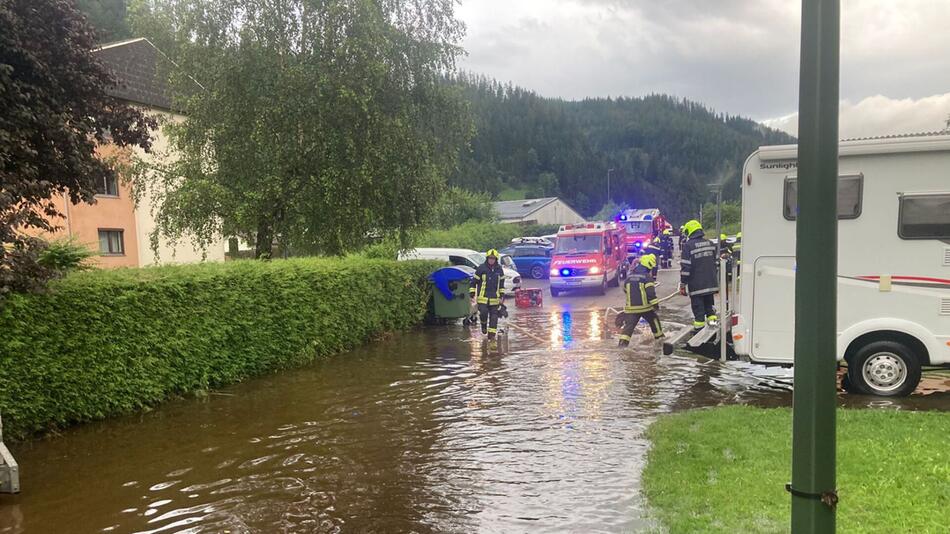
(588, 256)
(640, 227)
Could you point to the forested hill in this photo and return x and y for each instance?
(663, 150)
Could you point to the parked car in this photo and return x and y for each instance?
(531, 260)
(464, 256)
(536, 241)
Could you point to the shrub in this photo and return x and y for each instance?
(471, 235)
(20, 267)
(730, 218)
(102, 343)
(29, 263)
(460, 206)
(538, 230)
(65, 255)
(481, 236)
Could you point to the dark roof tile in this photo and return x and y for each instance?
(141, 71)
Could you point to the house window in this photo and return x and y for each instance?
(111, 243)
(850, 192)
(108, 186)
(924, 216)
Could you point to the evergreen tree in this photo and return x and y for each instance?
(108, 17)
(663, 150)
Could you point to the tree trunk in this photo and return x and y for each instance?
(264, 242)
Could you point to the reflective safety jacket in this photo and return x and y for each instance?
(698, 265)
(653, 248)
(489, 285)
(640, 291)
(667, 242)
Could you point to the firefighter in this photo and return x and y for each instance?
(641, 301)
(667, 248)
(737, 255)
(656, 248)
(725, 252)
(698, 274)
(489, 292)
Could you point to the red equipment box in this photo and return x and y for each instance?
(529, 298)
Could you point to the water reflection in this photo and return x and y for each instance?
(595, 331)
(424, 432)
(566, 334)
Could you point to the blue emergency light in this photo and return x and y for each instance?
(623, 217)
(565, 272)
(647, 217)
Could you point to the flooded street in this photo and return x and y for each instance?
(421, 432)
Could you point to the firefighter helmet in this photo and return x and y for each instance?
(648, 260)
(692, 226)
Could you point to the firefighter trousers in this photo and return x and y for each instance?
(488, 317)
(631, 320)
(704, 307)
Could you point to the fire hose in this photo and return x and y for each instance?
(664, 299)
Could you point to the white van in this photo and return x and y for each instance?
(467, 257)
(893, 260)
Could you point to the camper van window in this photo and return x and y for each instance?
(924, 217)
(850, 192)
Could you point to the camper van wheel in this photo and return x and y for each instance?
(885, 369)
(846, 384)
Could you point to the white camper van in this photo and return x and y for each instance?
(893, 260)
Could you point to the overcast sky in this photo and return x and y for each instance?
(737, 56)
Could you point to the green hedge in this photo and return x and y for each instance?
(109, 342)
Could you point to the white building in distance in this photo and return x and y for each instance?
(551, 210)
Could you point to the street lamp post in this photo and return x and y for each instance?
(717, 188)
(814, 496)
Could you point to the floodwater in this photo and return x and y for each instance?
(422, 432)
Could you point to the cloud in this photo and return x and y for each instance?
(734, 55)
(880, 115)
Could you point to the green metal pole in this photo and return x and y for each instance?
(813, 420)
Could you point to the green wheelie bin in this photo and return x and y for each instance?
(450, 292)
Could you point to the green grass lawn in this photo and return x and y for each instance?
(725, 469)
